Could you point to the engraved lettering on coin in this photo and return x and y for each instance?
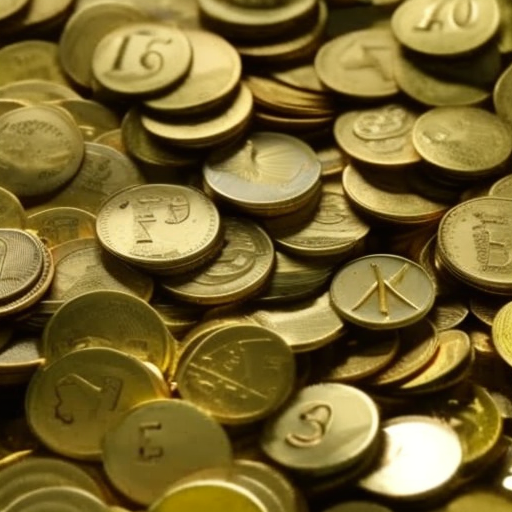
(442, 15)
(318, 419)
(148, 450)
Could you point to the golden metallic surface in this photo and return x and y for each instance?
(250, 370)
(448, 312)
(300, 77)
(71, 403)
(115, 320)
(502, 188)
(173, 440)
(485, 306)
(359, 63)
(501, 95)
(332, 159)
(12, 213)
(314, 435)
(502, 333)
(445, 28)
(478, 499)
(19, 360)
(36, 91)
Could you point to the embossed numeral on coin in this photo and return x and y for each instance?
(317, 419)
(459, 13)
(147, 450)
(368, 56)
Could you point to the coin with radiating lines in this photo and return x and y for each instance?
(12, 213)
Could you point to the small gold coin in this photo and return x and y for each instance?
(313, 433)
(501, 332)
(71, 403)
(463, 141)
(440, 27)
(502, 188)
(141, 58)
(11, 8)
(12, 213)
(249, 369)
(485, 307)
(172, 439)
(359, 63)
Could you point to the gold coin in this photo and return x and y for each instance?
(249, 369)
(115, 320)
(378, 136)
(42, 149)
(478, 499)
(159, 226)
(440, 27)
(58, 225)
(359, 63)
(177, 317)
(141, 58)
(82, 266)
(502, 188)
(448, 312)
(112, 139)
(301, 76)
(34, 91)
(501, 332)
(332, 159)
(501, 95)
(240, 270)
(463, 141)
(382, 292)
(12, 213)
(172, 439)
(71, 403)
(19, 360)
(485, 306)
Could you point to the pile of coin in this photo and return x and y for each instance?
(255, 255)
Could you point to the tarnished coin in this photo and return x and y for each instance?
(464, 141)
(12, 213)
(41, 148)
(313, 433)
(382, 292)
(141, 58)
(359, 63)
(238, 374)
(440, 27)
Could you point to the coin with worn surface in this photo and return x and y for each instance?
(238, 374)
(408, 440)
(464, 141)
(485, 306)
(313, 433)
(444, 28)
(41, 149)
(172, 438)
(502, 188)
(71, 402)
(382, 292)
(19, 360)
(12, 213)
(359, 63)
(378, 136)
(141, 58)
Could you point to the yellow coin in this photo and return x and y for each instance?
(12, 213)
(501, 332)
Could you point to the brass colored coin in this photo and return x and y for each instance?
(209, 131)
(178, 318)
(141, 58)
(239, 271)
(268, 171)
(159, 226)
(172, 438)
(82, 266)
(71, 403)
(474, 241)
(501, 95)
(302, 77)
(463, 141)
(485, 307)
(502, 188)
(12, 213)
(359, 63)
(313, 433)
(85, 29)
(19, 359)
(378, 136)
(250, 370)
(112, 139)
(41, 149)
(34, 91)
(115, 320)
(439, 27)
(57, 499)
(214, 74)
(448, 312)
(6, 105)
(478, 499)
(382, 292)
(407, 440)
(12, 7)
(58, 225)
(332, 160)
(501, 332)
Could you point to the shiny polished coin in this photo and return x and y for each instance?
(463, 141)
(474, 242)
(398, 474)
(159, 226)
(81, 266)
(115, 320)
(58, 225)
(502, 188)
(141, 58)
(378, 136)
(173, 440)
(268, 171)
(382, 292)
(445, 28)
(313, 433)
(250, 370)
(35, 91)
(57, 499)
(359, 63)
(214, 74)
(71, 402)
(12, 213)
(208, 131)
(240, 270)
(501, 332)
(42, 149)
